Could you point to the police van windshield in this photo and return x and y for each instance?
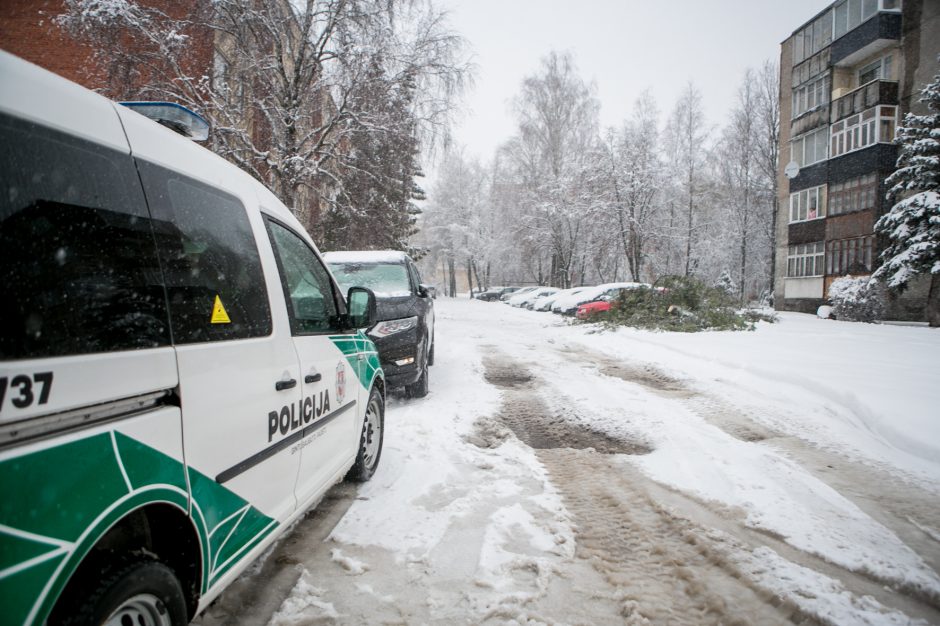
(385, 279)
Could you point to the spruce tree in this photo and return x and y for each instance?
(912, 226)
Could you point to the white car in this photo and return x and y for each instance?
(526, 299)
(519, 295)
(568, 305)
(545, 302)
(158, 299)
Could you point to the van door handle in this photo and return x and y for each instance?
(313, 378)
(281, 385)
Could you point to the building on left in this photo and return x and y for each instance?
(123, 66)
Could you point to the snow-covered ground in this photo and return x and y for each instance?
(566, 474)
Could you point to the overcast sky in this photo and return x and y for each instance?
(624, 46)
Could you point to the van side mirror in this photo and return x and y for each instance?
(423, 291)
(360, 303)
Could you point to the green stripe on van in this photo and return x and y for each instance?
(56, 503)
(352, 346)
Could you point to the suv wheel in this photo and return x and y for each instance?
(419, 388)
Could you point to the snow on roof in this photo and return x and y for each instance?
(365, 256)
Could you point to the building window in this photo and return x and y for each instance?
(809, 148)
(879, 70)
(857, 194)
(805, 260)
(813, 38)
(811, 95)
(809, 204)
(811, 68)
(849, 256)
(848, 14)
(875, 125)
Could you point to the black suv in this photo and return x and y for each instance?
(404, 334)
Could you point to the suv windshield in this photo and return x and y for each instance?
(385, 279)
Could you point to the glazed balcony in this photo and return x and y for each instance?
(875, 34)
(871, 94)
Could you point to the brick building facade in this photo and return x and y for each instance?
(847, 77)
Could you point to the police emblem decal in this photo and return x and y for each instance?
(340, 382)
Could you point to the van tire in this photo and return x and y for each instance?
(431, 354)
(371, 438)
(419, 388)
(146, 590)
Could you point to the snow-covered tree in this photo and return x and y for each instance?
(556, 151)
(287, 92)
(746, 185)
(689, 136)
(635, 165)
(912, 226)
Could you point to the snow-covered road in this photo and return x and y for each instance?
(562, 474)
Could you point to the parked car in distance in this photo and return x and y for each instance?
(516, 291)
(527, 298)
(569, 304)
(404, 334)
(510, 298)
(545, 302)
(495, 293)
(605, 303)
(538, 295)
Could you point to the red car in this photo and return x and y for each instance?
(591, 309)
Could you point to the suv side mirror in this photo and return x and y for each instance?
(423, 290)
(360, 302)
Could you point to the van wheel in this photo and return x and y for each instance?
(145, 593)
(370, 440)
(431, 354)
(419, 388)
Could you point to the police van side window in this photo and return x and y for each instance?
(214, 282)
(78, 263)
(307, 286)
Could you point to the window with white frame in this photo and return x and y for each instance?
(810, 148)
(811, 95)
(806, 259)
(808, 204)
(874, 125)
(878, 70)
(848, 14)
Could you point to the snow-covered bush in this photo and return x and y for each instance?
(857, 299)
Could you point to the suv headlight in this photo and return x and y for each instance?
(390, 327)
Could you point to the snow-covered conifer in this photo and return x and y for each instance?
(912, 226)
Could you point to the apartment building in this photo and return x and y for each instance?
(847, 77)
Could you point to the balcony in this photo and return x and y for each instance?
(877, 33)
(871, 94)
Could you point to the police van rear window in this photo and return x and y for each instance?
(77, 259)
(214, 281)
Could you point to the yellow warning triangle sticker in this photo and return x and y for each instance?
(219, 316)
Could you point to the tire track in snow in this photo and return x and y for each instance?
(903, 508)
(658, 564)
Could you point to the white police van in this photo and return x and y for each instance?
(180, 376)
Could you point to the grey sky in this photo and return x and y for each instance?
(624, 46)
